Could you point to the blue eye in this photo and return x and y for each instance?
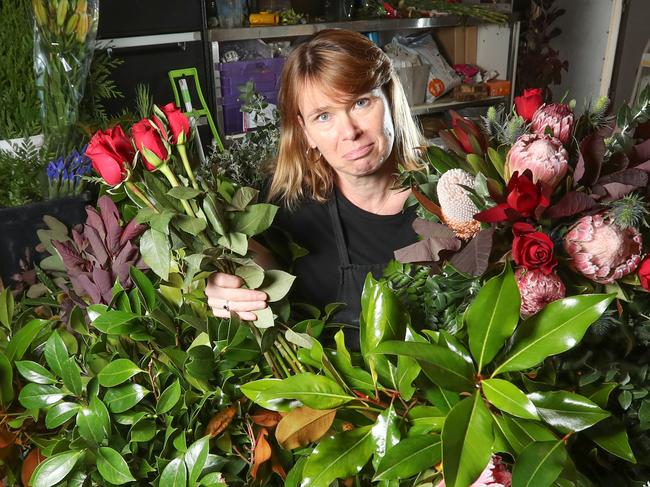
(362, 102)
(323, 117)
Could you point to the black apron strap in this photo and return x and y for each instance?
(332, 204)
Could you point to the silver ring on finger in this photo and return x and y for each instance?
(226, 305)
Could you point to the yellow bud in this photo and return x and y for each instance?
(82, 6)
(82, 28)
(61, 12)
(39, 12)
(71, 26)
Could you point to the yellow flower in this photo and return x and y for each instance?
(61, 12)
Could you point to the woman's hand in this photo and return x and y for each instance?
(225, 294)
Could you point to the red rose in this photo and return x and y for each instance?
(524, 198)
(150, 144)
(532, 249)
(179, 125)
(644, 273)
(528, 103)
(112, 154)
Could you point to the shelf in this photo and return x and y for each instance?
(445, 103)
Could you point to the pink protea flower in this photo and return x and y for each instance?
(600, 250)
(544, 155)
(558, 117)
(495, 475)
(537, 290)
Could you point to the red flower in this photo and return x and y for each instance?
(150, 143)
(112, 154)
(524, 198)
(179, 125)
(532, 249)
(468, 134)
(644, 273)
(528, 103)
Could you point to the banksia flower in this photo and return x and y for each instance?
(556, 116)
(458, 209)
(542, 154)
(602, 251)
(495, 475)
(537, 289)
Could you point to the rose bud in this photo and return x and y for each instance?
(558, 117)
(111, 154)
(543, 155)
(457, 208)
(537, 290)
(532, 249)
(150, 143)
(175, 120)
(600, 250)
(527, 104)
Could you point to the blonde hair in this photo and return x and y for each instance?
(350, 65)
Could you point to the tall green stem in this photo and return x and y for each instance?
(136, 191)
(186, 164)
(171, 177)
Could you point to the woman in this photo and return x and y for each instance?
(345, 128)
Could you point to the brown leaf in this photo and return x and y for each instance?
(267, 418)
(31, 461)
(303, 426)
(571, 204)
(7, 438)
(262, 451)
(277, 467)
(475, 257)
(426, 228)
(221, 421)
(632, 177)
(613, 191)
(590, 160)
(427, 204)
(428, 250)
(641, 152)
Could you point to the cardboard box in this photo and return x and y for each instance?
(499, 87)
(458, 44)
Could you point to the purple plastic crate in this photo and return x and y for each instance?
(265, 73)
(233, 117)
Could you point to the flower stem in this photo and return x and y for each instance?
(186, 165)
(171, 177)
(136, 191)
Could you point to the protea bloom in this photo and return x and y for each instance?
(537, 290)
(495, 475)
(558, 117)
(458, 209)
(544, 155)
(602, 251)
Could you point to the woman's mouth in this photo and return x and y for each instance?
(362, 151)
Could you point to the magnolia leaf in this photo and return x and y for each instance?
(6, 307)
(555, 329)
(492, 316)
(539, 464)
(94, 421)
(303, 426)
(385, 433)
(509, 398)
(473, 259)
(112, 467)
(156, 253)
(409, 457)
(276, 284)
(314, 391)
(425, 419)
(339, 456)
(55, 468)
(255, 392)
(6, 384)
(567, 411)
(356, 377)
(519, 433)
(611, 435)
(117, 372)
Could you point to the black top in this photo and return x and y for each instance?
(370, 239)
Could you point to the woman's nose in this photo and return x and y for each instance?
(350, 129)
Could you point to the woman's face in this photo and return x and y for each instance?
(355, 138)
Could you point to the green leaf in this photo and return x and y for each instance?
(601, 395)
(54, 469)
(145, 287)
(169, 397)
(356, 377)
(39, 396)
(23, 338)
(385, 434)
(34, 372)
(294, 476)
(264, 318)
(255, 219)
(509, 398)
(213, 213)
(72, 376)
(154, 247)
(567, 411)
(143, 431)
(425, 419)
(123, 398)
(183, 193)
(60, 413)
(191, 225)
(442, 366)
(314, 391)
(556, 329)
(118, 371)
(493, 316)
(6, 384)
(276, 284)
(94, 422)
(411, 456)
(539, 464)
(467, 439)
(114, 322)
(611, 436)
(6, 307)
(243, 197)
(174, 474)
(195, 458)
(112, 466)
(519, 433)
(55, 353)
(235, 241)
(253, 275)
(339, 456)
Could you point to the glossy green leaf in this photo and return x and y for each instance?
(255, 219)
(442, 366)
(117, 372)
(519, 433)
(408, 368)
(156, 253)
(509, 398)
(114, 322)
(34, 372)
(294, 476)
(314, 391)
(557, 328)
(55, 468)
(6, 384)
(60, 413)
(169, 398)
(39, 395)
(492, 316)
(467, 439)
(426, 419)
(23, 338)
(94, 422)
(145, 287)
(411, 456)
(567, 411)
(276, 284)
(56, 354)
(174, 474)
(385, 434)
(611, 436)
(112, 466)
(539, 464)
(123, 398)
(6, 307)
(143, 431)
(355, 377)
(601, 395)
(195, 458)
(71, 375)
(339, 456)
